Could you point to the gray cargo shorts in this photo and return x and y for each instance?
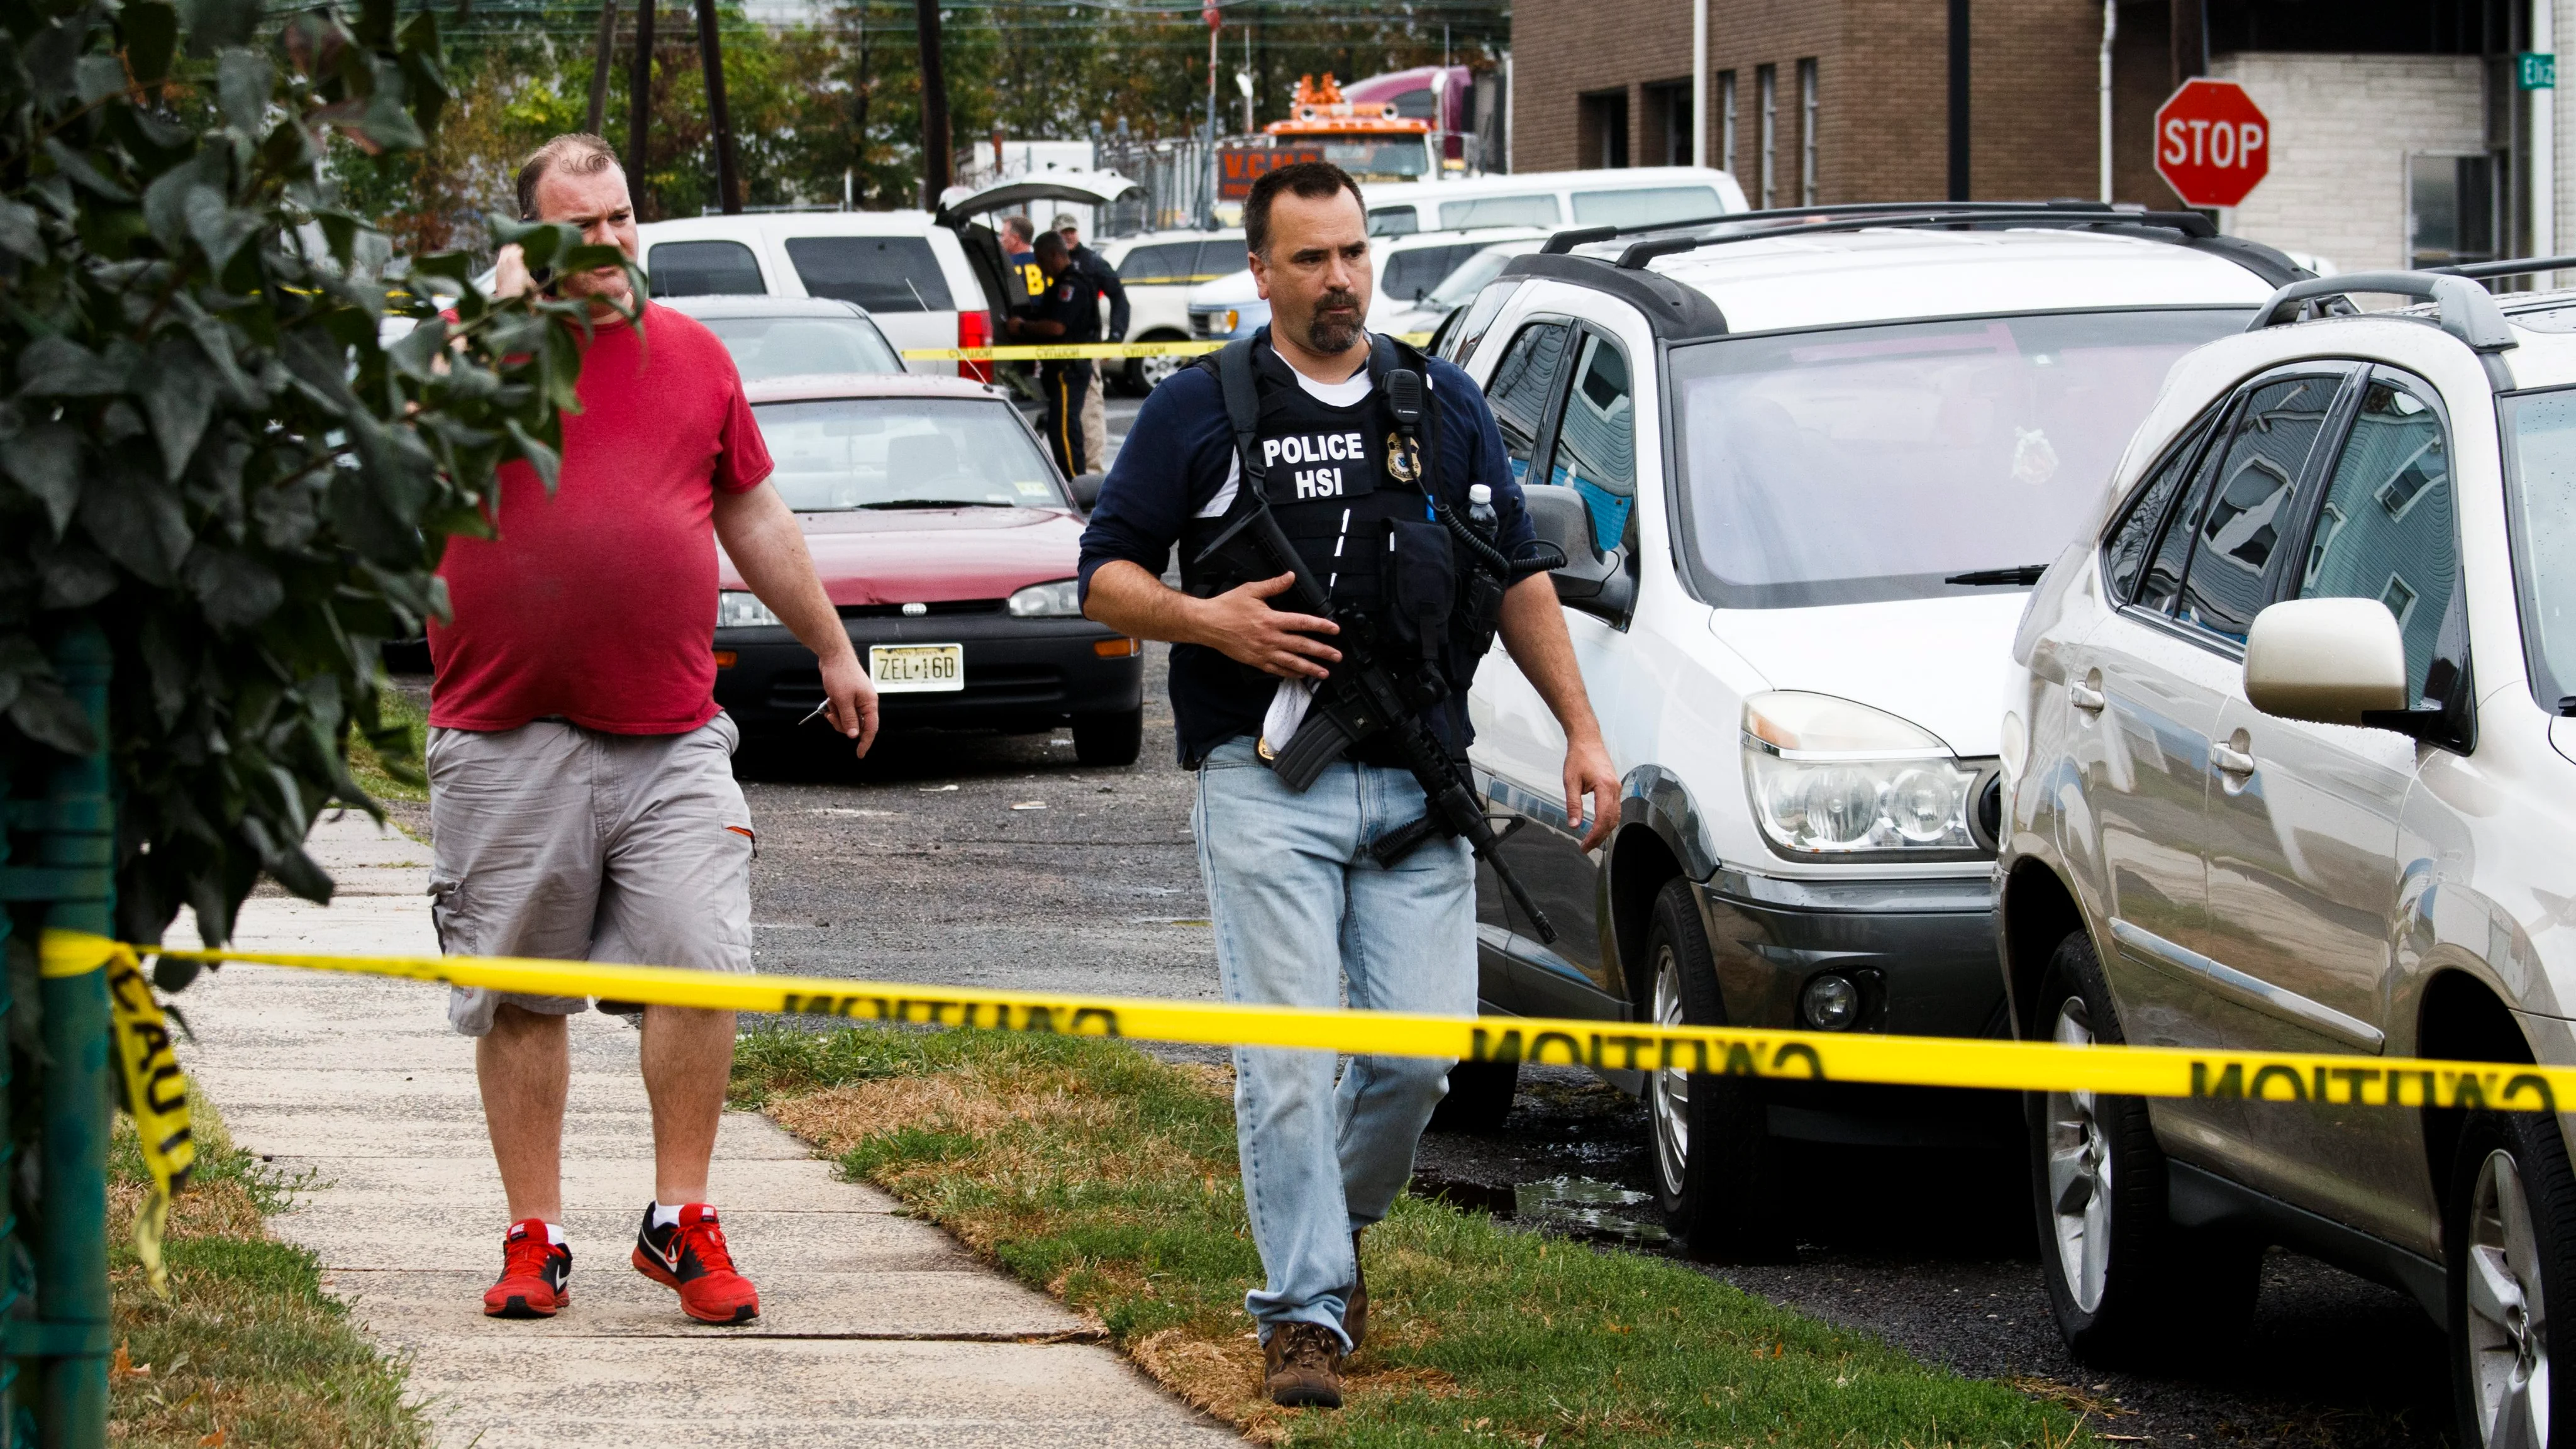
(553, 840)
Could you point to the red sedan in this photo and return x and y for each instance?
(945, 535)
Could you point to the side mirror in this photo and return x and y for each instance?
(1086, 490)
(1590, 579)
(2328, 661)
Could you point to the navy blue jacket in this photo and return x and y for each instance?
(1172, 465)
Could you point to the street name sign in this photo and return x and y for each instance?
(2213, 144)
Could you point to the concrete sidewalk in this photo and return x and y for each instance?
(875, 1330)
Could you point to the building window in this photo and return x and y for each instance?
(2451, 207)
(1668, 123)
(1766, 105)
(1601, 133)
(1726, 121)
(1807, 132)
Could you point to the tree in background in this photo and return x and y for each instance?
(211, 460)
(835, 101)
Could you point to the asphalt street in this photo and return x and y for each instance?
(999, 861)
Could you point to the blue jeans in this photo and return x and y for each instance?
(1299, 908)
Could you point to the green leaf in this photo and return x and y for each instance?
(60, 367)
(137, 519)
(178, 390)
(76, 168)
(18, 233)
(45, 714)
(97, 77)
(45, 460)
(243, 82)
(235, 589)
(540, 457)
(74, 578)
(218, 228)
(151, 38)
(214, 24)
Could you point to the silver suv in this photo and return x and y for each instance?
(2290, 765)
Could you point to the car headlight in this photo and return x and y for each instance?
(1830, 777)
(737, 609)
(1059, 600)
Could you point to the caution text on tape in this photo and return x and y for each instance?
(2334, 1080)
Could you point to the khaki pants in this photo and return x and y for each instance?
(1095, 423)
(553, 840)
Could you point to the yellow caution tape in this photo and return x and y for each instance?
(156, 1091)
(1060, 351)
(1614, 1046)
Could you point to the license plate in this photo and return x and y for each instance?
(917, 668)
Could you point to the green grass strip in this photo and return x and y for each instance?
(248, 1350)
(1108, 1178)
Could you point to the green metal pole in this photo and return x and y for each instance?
(71, 1244)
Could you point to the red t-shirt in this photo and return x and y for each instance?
(599, 603)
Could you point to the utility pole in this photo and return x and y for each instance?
(719, 120)
(937, 165)
(642, 96)
(1959, 97)
(1207, 213)
(599, 67)
(1699, 82)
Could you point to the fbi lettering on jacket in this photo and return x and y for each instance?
(1307, 466)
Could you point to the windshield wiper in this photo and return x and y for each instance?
(2023, 574)
(937, 503)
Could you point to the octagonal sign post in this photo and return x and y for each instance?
(2213, 144)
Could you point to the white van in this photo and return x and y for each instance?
(1630, 196)
(909, 272)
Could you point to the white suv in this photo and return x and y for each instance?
(916, 278)
(1804, 466)
(2294, 769)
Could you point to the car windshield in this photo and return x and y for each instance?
(1393, 159)
(905, 453)
(1461, 286)
(766, 347)
(2540, 461)
(1868, 463)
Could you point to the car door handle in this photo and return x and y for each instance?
(2085, 697)
(2230, 761)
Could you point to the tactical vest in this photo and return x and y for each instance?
(1353, 495)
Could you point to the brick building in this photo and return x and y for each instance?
(2399, 131)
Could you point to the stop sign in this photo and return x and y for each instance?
(2212, 143)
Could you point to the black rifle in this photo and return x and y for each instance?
(1360, 700)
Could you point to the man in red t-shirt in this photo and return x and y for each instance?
(581, 793)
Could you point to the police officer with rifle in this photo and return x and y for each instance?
(1351, 542)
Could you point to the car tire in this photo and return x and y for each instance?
(1109, 739)
(2508, 1233)
(1716, 1168)
(1142, 375)
(2124, 1282)
(1480, 1097)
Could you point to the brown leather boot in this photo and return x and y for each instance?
(1355, 1307)
(1303, 1361)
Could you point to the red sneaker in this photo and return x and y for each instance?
(536, 1274)
(690, 1256)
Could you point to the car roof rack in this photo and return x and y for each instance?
(1687, 312)
(2463, 309)
(2185, 228)
(2512, 267)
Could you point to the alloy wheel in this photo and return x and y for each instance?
(2508, 1325)
(1668, 1095)
(1153, 370)
(2079, 1175)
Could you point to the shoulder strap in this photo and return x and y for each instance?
(1234, 378)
